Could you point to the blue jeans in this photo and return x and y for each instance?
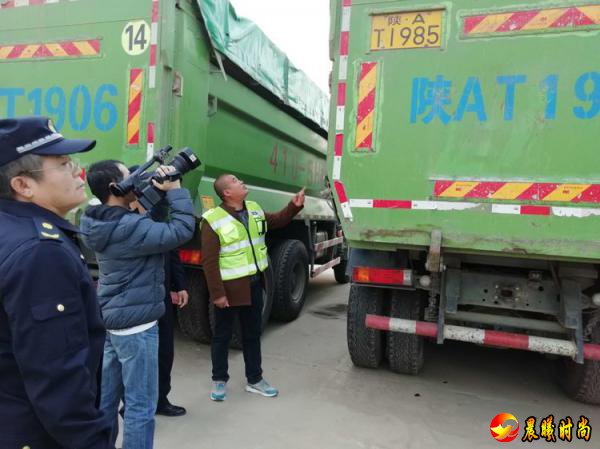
(130, 371)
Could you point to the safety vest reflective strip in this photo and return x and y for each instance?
(244, 244)
(238, 272)
(221, 222)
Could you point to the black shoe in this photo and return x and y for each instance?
(165, 408)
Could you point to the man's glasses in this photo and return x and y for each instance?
(70, 166)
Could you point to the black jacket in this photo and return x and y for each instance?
(51, 335)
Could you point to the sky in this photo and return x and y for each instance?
(299, 28)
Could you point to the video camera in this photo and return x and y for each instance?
(140, 183)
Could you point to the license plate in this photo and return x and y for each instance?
(404, 30)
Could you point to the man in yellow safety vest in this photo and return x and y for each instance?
(234, 260)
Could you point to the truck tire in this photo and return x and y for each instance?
(365, 345)
(193, 319)
(236, 338)
(339, 271)
(405, 351)
(290, 275)
(582, 382)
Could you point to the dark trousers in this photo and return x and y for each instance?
(251, 323)
(166, 351)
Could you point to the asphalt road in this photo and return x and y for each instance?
(326, 402)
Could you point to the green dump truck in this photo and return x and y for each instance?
(138, 75)
(463, 142)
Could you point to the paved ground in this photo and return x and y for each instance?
(327, 403)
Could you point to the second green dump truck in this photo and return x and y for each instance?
(463, 148)
(138, 75)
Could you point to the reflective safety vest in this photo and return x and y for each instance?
(243, 251)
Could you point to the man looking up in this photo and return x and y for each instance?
(234, 260)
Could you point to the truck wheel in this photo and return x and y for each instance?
(365, 345)
(193, 319)
(405, 351)
(339, 271)
(236, 338)
(582, 382)
(290, 274)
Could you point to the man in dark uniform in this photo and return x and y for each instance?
(51, 331)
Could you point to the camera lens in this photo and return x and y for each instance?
(185, 161)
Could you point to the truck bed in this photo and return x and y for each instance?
(464, 117)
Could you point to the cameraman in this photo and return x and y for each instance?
(130, 249)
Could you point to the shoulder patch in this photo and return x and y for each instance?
(46, 230)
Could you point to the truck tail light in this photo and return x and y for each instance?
(190, 256)
(382, 276)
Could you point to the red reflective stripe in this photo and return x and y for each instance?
(70, 49)
(153, 55)
(572, 17)
(392, 204)
(537, 191)
(155, 11)
(441, 186)
(135, 106)
(16, 51)
(506, 340)
(377, 322)
(95, 44)
(341, 98)
(344, 41)
(590, 195)
(366, 69)
(42, 52)
(366, 106)
(471, 22)
(135, 138)
(426, 329)
(341, 191)
(535, 210)
(150, 132)
(591, 351)
(367, 142)
(517, 21)
(339, 144)
(485, 190)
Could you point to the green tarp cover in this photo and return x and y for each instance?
(242, 42)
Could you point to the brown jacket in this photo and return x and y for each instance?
(236, 290)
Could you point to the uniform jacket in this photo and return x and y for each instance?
(236, 290)
(51, 335)
(130, 249)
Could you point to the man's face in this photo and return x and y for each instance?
(236, 189)
(60, 187)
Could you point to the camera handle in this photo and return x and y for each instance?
(175, 176)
